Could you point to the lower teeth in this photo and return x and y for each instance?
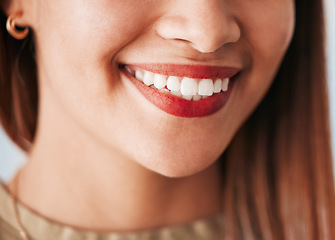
(178, 94)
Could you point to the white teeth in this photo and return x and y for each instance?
(197, 97)
(139, 75)
(173, 83)
(206, 87)
(148, 78)
(188, 86)
(176, 93)
(187, 97)
(159, 81)
(225, 83)
(217, 85)
(164, 90)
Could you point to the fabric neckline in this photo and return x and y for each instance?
(39, 227)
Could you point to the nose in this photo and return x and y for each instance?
(206, 25)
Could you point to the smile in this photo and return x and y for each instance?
(188, 88)
(183, 90)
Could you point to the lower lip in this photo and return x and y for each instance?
(180, 107)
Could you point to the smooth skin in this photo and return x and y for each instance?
(104, 157)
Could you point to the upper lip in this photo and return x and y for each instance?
(191, 71)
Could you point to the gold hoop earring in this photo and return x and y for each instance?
(11, 28)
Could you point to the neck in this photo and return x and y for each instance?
(109, 195)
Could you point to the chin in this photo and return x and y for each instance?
(179, 166)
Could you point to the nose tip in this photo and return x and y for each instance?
(210, 39)
(205, 31)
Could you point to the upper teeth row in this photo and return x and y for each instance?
(188, 88)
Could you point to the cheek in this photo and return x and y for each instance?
(268, 29)
(268, 36)
(81, 38)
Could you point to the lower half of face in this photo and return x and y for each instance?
(164, 84)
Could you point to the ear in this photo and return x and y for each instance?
(26, 7)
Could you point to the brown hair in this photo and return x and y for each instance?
(18, 95)
(278, 168)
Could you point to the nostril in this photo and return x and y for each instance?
(171, 27)
(206, 44)
(203, 35)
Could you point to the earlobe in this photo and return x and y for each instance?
(11, 27)
(20, 17)
(20, 10)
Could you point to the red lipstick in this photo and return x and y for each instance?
(191, 71)
(178, 106)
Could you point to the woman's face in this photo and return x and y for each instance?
(88, 53)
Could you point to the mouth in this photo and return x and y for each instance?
(183, 90)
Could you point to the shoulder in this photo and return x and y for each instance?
(8, 232)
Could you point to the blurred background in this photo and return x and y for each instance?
(330, 10)
(11, 158)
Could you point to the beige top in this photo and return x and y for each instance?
(39, 228)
